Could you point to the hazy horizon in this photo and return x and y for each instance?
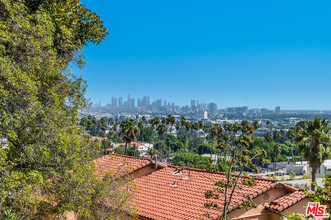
(256, 54)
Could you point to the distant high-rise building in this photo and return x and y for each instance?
(120, 102)
(144, 101)
(193, 103)
(264, 111)
(129, 102)
(165, 103)
(139, 103)
(114, 102)
(277, 110)
(212, 107)
(132, 104)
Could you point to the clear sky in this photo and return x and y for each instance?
(235, 53)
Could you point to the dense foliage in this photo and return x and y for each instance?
(45, 170)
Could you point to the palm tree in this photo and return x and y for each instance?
(130, 131)
(314, 144)
(177, 126)
(213, 134)
(256, 125)
(161, 129)
(269, 137)
(183, 121)
(277, 135)
(171, 120)
(291, 136)
(140, 126)
(277, 150)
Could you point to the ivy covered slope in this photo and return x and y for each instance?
(39, 103)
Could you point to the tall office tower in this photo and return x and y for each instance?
(139, 103)
(120, 102)
(114, 102)
(129, 102)
(193, 103)
(212, 107)
(198, 103)
(277, 110)
(132, 104)
(144, 102)
(157, 103)
(173, 105)
(148, 103)
(168, 104)
(165, 103)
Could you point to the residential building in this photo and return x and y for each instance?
(172, 192)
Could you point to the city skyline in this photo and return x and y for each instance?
(117, 103)
(233, 53)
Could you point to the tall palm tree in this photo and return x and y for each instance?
(256, 125)
(161, 129)
(277, 135)
(314, 144)
(171, 120)
(140, 126)
(177, 126)
(277, 150)
(269, 137)
(130, 131)
(291, 136)
(183, 121)
(213, 134)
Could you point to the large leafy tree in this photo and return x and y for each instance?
(236, 146)
(39, 103)
(314, 144)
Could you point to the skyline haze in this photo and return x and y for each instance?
(254, 54)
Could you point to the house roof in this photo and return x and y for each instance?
(288, 200)
(121, 164)
(137, 144)
(169, 194)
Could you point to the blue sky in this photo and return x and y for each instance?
(235, 53)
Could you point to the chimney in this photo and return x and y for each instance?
(155, 158)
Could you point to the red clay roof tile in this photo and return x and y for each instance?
(120, 164)
(156, 199)
(288, 200)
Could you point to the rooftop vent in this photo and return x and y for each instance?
(174, 184)
(178, 172)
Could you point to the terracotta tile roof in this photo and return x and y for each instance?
(137, 144)
(288, 200)
(121, 164)
(164, 194)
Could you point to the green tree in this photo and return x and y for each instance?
(237, 147)
(314, 144)
(291, 136)
(40, 100)
(161, 129)
(269, 137)
(130, 131)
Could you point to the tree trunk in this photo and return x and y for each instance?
(126, 146)
(292, 154)
(313, 177)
